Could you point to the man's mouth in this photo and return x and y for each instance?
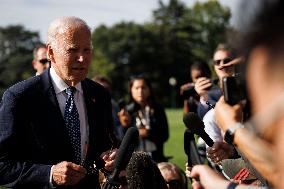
(78, 69)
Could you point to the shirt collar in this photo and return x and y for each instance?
(59, 85)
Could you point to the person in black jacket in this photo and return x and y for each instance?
(149, 116)
(38, 145)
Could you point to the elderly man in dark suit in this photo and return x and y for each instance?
(55, 126)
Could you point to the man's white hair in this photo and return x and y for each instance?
(61, 25)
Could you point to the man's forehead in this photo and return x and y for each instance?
(71, 39)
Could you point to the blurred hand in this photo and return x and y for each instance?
(143, 132)
(202, 85)
(220, 151)
(206, 178)
(124, 117)
(108, 157)
(235, 61)
(187, 170)
(226, 115)
(67, 173)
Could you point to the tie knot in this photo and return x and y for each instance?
(70, 90)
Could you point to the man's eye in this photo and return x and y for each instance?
(87, 50)
(72, 50)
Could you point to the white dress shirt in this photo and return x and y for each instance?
(59, 87)
(211, 127)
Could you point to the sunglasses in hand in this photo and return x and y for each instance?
(225, 61)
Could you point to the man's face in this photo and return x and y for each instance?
(72, 55)
(220, 59)
(40, 63)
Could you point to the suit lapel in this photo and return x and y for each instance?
(90, 102)
(49, 91)
(91, 106)
(58, 128)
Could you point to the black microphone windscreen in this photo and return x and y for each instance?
(142, 172)
(126, 148)
(190, 149)
(196, 126)
(193, 122)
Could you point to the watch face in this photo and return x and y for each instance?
(229, 137)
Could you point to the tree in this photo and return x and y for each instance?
(210, 21)
(16, 46)
(164, 47)
(100, 65)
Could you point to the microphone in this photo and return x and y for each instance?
(196, 126)
(143, 172)
(190, 149)
(127, 146)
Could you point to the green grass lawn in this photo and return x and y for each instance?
(174, 146)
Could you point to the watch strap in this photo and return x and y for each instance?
(229, 134)
(232, 185)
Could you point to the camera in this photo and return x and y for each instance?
(190, 91)
(121, 104)
(234, 89)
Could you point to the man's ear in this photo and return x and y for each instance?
(34, 64)
(50, 53)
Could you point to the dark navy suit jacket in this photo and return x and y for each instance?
(33, 136)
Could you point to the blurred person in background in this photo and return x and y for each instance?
(145, 113)
(40, 61)
(224, 62)
(190, 97)
(104, 81)
(192, 100)
(174, 176)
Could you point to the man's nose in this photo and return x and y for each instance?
(80, 58)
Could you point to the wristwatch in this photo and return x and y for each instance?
(229, 134)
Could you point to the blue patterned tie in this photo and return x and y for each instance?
(71, 117)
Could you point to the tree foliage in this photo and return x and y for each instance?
(164, 47)
(16, 46)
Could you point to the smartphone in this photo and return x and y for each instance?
(233, 90)
(188, 92)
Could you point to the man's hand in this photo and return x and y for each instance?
(67, 173)
(143, 132)
(206, 178)
(227, 115)
(220, 151)
(202, 85)
(184, 87)
(234, 62)
(187, 170)
(108, 157)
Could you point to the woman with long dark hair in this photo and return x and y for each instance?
(145, 113)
